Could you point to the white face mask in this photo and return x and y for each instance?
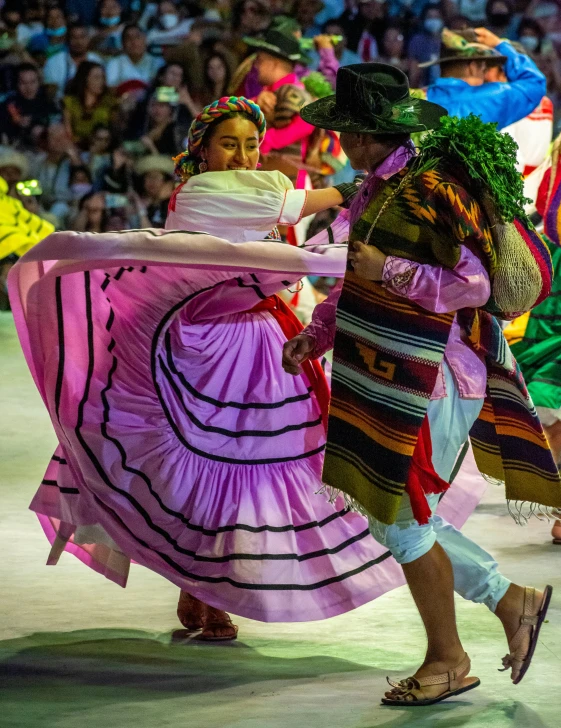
(80, 189)
(169, 20)
(530, 42)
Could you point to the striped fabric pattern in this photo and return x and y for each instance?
(388, 351)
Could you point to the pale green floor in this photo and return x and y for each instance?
(79, 652)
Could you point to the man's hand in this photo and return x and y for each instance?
(323, 41)
(296, 351)
(367, 261)
(486, 37)
(267, 101)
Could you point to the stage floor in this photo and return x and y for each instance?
(76, 651)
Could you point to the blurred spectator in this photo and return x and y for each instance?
(53, 170)
(155, 174)
(304, 12)
(171, 27)
(107, 39)
(135, 63)
(248, 18)
(13, 28)
(53, 38)
(92, 213)
(425, 45)
(365, 24)
(342, 52)
(473, 10)
(531, 36)
(501, 18)
(97, 157)
(393, 49)
(162, 132)
(14, 168)
(61, 68)
(26, 111)
(88, 103)
(216, 79)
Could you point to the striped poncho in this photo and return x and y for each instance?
(388, 351)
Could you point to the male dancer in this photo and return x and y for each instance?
(389, 447)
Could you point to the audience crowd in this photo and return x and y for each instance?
(96, 97)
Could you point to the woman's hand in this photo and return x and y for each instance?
(367, 261)
(296, 351)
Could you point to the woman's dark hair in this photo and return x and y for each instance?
(104, 214)
(81, 168)
(425, 10)
(77, 85)
(113, 140)
(508, 3)
(206, 78)
(225, 117)
(534, 26)
(24, 67)
(238, 10)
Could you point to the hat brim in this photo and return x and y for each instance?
(463, 59)
(325, 114)
(276, 51)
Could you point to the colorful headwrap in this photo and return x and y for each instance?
(187, 163)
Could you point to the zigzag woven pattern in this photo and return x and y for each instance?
(388, 351)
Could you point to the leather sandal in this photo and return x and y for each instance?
(217, 619)
(191, 612)
(523, 645)
(410, 691)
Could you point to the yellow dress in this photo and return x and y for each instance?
(19, 229)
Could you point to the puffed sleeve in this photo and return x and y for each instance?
(260, 199)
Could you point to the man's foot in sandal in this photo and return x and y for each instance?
(432, 683)
(191, 612)
(556, 533)
(218, 627)
(522, 616)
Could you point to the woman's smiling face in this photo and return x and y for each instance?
(233, 144)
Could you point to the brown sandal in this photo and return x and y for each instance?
(531, 621)
(191, 612)
(216, 619)
(410, 691)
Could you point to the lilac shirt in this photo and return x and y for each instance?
(433, 287)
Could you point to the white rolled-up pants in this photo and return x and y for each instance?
(476, 574)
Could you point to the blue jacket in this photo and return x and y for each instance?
(503, 103)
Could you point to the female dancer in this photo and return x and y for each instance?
(183, 445)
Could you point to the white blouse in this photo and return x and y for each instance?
(237, 205)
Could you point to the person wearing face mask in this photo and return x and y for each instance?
(461, 88)
(107, 40)
(135, 63)
(171, 28)
(425, 45)
(53, 39)
(531, 36)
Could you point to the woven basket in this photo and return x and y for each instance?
(523, 271)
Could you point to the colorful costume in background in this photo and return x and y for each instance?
(535, 338)
(502, 103)
(19, 229)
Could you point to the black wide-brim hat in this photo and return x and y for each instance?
(279, 44)
(373, 98)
